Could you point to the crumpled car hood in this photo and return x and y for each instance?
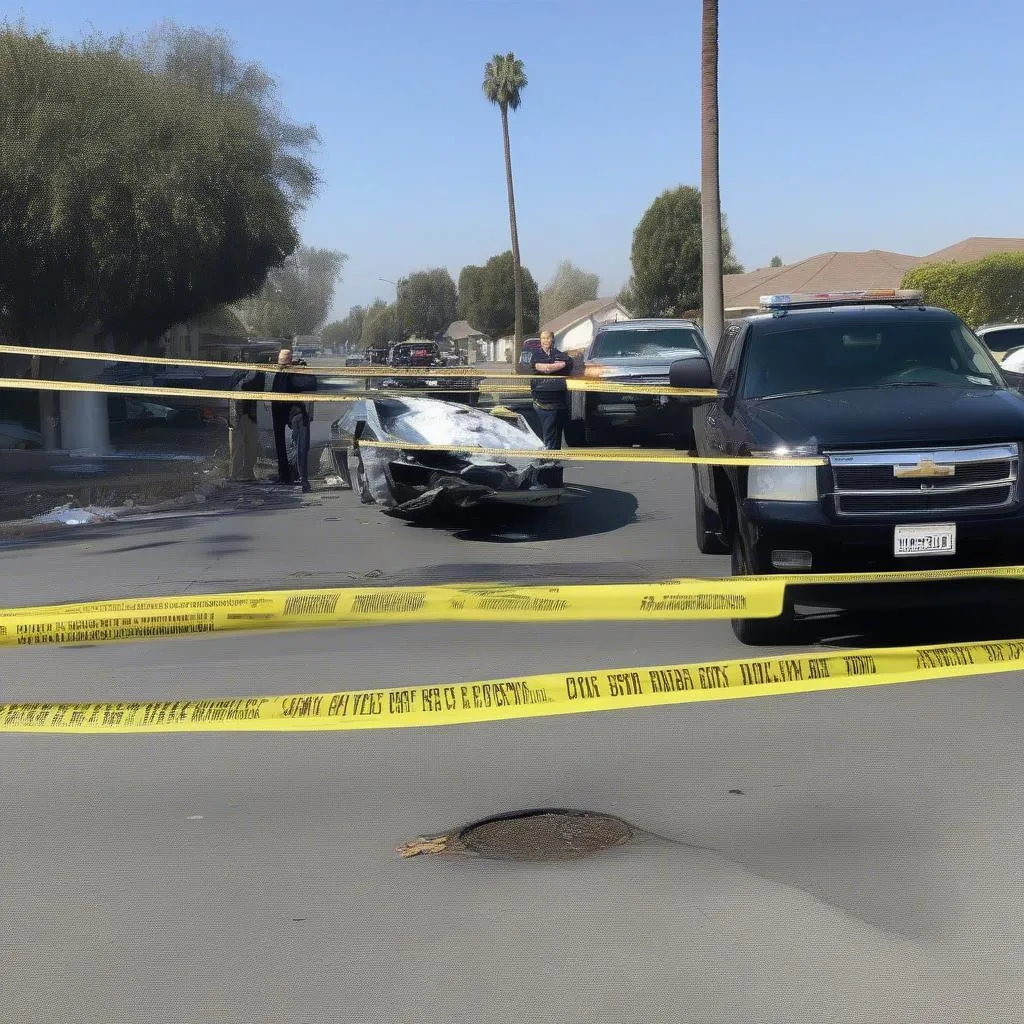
(457, 478)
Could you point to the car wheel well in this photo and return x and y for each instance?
(726, 501)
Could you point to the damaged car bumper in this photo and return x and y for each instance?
(409, 482)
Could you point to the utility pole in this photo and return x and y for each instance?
(710, 202)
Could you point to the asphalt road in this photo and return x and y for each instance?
(847, 856)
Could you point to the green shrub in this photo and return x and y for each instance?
(978, 292)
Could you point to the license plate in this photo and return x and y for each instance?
(930, 539)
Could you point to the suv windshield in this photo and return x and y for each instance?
(843, 356)
(653, 343)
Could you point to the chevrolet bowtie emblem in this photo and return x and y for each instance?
(924, 469)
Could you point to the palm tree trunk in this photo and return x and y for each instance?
(517, 268)
(710, 201)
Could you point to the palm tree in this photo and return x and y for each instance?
(504, 81)
(710, 201)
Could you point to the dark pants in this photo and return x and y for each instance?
(552, 425)
(297, 419)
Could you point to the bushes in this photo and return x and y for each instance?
(978, 292)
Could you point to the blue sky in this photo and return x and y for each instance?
(844, 125)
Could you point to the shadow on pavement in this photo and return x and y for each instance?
(593, 511)
(960, 623)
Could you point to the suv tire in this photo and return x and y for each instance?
(761, 632)
(708, 540)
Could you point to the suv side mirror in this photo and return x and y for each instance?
(694, 372)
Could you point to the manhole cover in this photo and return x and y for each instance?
(541, 835)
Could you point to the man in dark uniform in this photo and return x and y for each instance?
(296, 415)
(550, 394)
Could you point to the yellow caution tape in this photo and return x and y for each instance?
(450, 372)
(150, 617)
(539, 696)
(224, 394)
(375, 370)
(597, 454)
(670, 600)
(484, 387)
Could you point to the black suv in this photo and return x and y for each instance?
(917, 428)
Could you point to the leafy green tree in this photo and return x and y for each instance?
(427, 302)
(347, 333)
(204, 62)
(135, 196)
(297, 295)
(380, 326)
(504, 82)
(776, 261)
(567, 289)
(470, 294)
(667, 256)
(487, 297)
(978, 291)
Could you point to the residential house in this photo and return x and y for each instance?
(466, 339)
(574, 330)
(839, 271)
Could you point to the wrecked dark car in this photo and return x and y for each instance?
(410, 482)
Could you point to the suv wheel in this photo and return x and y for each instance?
(575, 433)
(760, 632)
(597, 437)
(708, 540)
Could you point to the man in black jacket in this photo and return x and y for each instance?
(296, 415)
(550, 394)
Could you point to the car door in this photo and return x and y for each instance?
(712, 423)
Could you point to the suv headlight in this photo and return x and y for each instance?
(783, 483)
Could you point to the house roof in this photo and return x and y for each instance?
(579, 313)
(828, 271)
(974, 249)
(461, 329)
(836, 271)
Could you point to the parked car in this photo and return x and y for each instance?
(126, 410)
(356, 360)
(634, 352)
(920, 433)
(426, 355)
(525, 364)
(1002, 338)
(407, 483)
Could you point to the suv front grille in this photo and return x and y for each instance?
(975, 479)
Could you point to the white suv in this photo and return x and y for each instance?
(1002, 339)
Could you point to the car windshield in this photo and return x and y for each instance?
(654, 343)
(844, 355)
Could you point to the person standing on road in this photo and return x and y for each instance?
(243, 433)
(296, 415)
(549, 390)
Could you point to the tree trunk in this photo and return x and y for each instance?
(710, 201)
(517, 269)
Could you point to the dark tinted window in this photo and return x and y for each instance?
(1004, 340)
(727, 352)
(856, 354)
(650, 343)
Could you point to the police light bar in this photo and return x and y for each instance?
(885, 295)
